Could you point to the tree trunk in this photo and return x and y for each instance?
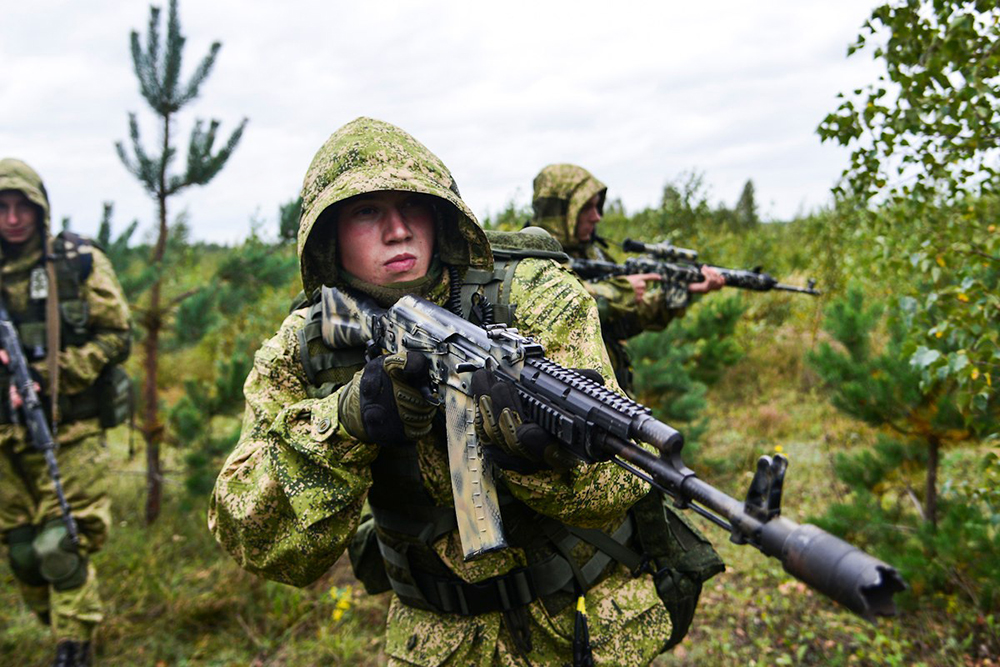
(930, 504)
(152, 428)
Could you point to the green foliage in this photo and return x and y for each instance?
(746, 208)
(162, 280)
(954, 558)
(223, 323)
(880, 389)
(159, 82)
(288, 220)
(874, 379)
(252, 268)
(511, 219)
(928, 127)
(673, 368)
(116, 249)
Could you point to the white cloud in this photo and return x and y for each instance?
(637, 92)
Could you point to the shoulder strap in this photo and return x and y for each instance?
(509, 248)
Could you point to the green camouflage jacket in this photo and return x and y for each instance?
(290, 495)
(107, 318)
(560, 191)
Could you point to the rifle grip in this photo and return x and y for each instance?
(477, 507)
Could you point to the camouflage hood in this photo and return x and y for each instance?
(16, 175)
(368, 155)
(561, 190)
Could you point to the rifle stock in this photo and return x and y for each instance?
(595, 424)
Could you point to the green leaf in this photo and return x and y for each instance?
(924, 357)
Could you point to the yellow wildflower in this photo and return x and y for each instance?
(343, 599)
(963, 298)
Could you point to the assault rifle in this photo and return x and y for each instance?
(594, 424)
(33, 413)
(661, 259)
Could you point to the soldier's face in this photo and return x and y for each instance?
(18, 217)
(386, 237)
(587, 219)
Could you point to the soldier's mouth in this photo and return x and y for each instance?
(401, 262)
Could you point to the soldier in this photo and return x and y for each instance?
(568, 202)
(324, 431)
(78, 294)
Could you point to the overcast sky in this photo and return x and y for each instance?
(637, 92)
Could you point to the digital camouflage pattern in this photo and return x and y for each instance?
(26, 493)
(387, 158)
(560, 191)
(290, 495)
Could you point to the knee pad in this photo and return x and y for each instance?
(23, 560)
(60, 561)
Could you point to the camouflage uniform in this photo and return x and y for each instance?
(291, 494)
(560, 191)
(27, 498)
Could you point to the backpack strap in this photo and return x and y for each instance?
(509, 248)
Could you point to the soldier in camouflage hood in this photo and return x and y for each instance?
(56, 578)
(291, 495)
(568, 202)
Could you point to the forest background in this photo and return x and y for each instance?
(880, 391)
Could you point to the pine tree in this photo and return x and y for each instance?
(288, 220)
(250, 288)
(884, 387)
(746, 208)
(674, 368)
(158, 69)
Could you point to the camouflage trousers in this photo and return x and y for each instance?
(27, 498)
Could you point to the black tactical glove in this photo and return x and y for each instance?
(381, 403)
(508, 439)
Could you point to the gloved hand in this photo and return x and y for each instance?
(381, 403)
(508, 439)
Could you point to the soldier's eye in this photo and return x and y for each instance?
(364, 212)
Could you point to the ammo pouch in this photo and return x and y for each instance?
(680, 556)
(366, 561)
(114, 396)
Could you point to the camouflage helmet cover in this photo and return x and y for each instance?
(368, 155)
(560, 191)
(17, 175)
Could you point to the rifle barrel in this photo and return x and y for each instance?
(34, 415)
(839, 570)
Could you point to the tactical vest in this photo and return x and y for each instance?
(109, 398)
(392, 549)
